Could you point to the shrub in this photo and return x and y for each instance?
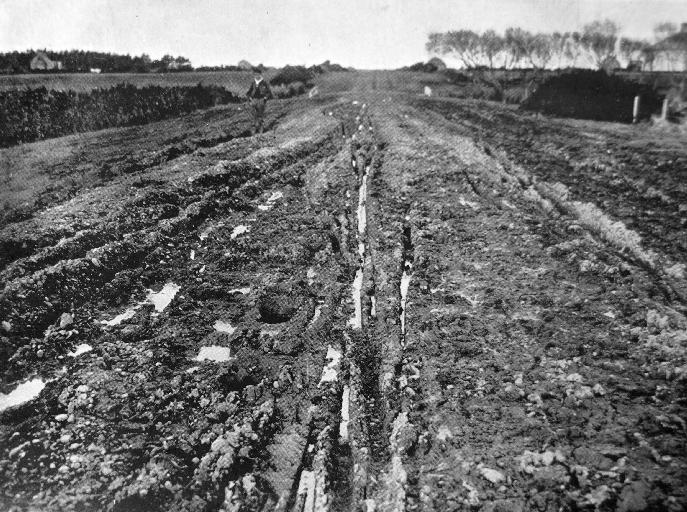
(290, 74)
(425, 67)
(586, 94)
(455, 77)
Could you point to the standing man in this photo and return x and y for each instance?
(258, 94)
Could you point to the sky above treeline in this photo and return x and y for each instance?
(359, 33)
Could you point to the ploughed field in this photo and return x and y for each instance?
(384, 302)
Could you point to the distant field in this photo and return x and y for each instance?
(235, 81)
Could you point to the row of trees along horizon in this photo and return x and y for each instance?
(80, 61)
(598, 45)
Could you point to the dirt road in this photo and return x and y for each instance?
(365, 308)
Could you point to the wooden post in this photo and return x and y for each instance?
(635, 110)
(664, 110)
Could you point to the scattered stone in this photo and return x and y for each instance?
(677, 271)
(495, 477)
(66, 320)
(548, 458)
(598, 496)
(584, 392)
(444, 433)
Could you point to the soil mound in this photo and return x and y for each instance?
(586, 94)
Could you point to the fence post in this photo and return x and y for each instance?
(635, 110)
(664, 110)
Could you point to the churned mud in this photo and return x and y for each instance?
(377, 305)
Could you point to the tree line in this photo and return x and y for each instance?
(76, 61)
(597, 45)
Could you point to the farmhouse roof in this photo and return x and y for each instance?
(42, 56)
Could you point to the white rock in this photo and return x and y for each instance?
(547, 458)
(492, 475)
(599, 389)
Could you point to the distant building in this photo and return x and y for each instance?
(41, 62)
(669, 54)
(180, 64)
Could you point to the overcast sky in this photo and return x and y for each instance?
(360, 33)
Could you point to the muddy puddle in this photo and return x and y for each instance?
(160, 300)
(24, 392)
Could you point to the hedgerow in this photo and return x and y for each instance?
(27, 115)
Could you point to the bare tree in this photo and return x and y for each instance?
(489, 54)
(599, 39)
(573, 47)
(462, 44)
(558, 46)
(663, 30)
(632, 49)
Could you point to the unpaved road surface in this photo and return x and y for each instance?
(376, 305)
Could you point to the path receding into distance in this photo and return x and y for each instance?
(363, 309)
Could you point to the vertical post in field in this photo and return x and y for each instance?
(635, 110)
(664, 110)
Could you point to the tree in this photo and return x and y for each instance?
(573, 47)
(664, 30)
(487, 53)
(463, 44)
(558, 46)
(599, 39)
(632, 49)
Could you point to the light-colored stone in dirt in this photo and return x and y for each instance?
(239, 230)
(225, 327)
(495, 477)
(214, 353)
(80, 349)
(270, 202)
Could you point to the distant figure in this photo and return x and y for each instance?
(428, 90)
(258, 94)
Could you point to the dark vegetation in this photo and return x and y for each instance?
(79, 61)
(587, 94)
(34, 114)
(292, 74)
(28, 115)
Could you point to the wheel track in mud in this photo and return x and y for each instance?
(347, 407)
(103, 262)
(323, 431)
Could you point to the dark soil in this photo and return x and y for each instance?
(368, 308)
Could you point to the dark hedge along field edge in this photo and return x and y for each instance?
(35, 114)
